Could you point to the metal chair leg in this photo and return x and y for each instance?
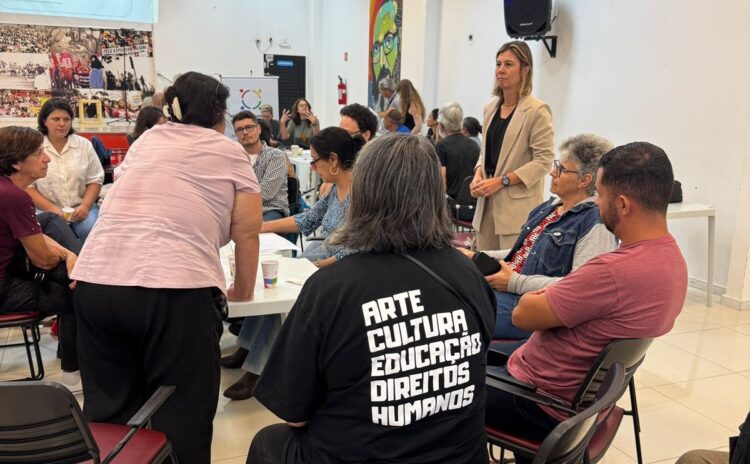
(636, 420)
(36, 337)
(37, 372)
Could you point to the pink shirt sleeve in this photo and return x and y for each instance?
(244, 176)
(588, 293)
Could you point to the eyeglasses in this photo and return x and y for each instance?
(242, 130)
(386, 46)
(312, 163)
(558, 170)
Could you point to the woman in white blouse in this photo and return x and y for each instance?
(75, 174)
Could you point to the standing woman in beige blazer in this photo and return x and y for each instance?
(516, 154)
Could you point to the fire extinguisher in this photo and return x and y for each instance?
(342, 91)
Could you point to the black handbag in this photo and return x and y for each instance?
(21, 267)
(676, 196)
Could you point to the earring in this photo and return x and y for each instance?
(330, 171)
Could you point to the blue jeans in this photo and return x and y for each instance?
(504, 327)
(316, 250)
(272, 215)
(83, 228)
(257, 336)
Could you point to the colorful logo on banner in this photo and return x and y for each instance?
(251, 99)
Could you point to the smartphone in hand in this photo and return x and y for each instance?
(486, 264)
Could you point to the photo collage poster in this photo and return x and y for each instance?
(115, 66)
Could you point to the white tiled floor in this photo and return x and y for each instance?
(693, 389)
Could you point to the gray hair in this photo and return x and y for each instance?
(585, 150)
(451, 116)
(387, 84)
(396, 201)
(266, 107)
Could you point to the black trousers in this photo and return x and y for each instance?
(282, 444)
(523, 417)
(278, 444)
(133, 340)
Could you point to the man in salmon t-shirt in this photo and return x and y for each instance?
(636, 291)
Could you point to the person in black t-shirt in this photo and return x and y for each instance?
(379, 361)
(458, 155)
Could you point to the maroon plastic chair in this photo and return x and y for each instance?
(629, 352)
(41, 422)
(28, 322)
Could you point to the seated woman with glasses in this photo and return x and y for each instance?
(333, 152)
(559, 235)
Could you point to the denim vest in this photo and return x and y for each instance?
(552, 253)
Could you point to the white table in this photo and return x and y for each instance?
(277, 300)
(697, 210)
(308, 178)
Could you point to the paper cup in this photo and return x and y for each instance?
(270, 273)
(232, 266)
(68, 213)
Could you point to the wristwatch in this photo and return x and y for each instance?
(506, 181)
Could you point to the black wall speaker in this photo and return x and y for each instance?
(528, 18)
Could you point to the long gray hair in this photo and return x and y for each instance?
(397, 202)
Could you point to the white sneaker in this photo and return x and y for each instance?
(72, 380)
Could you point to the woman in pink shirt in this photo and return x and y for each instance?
(150, 293)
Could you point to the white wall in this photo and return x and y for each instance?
(218, 37)
(343, 29)
(667, 72)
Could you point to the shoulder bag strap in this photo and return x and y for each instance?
(440, 280)
(480, 321)
(450, 288)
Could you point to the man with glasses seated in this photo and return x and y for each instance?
(559, 236)
(268, 163)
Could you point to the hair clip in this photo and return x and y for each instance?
(176, 110)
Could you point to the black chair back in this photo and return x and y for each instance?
(464, 202)
(292, 190)
(568, 442)
(41, 422)
(630, 352)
